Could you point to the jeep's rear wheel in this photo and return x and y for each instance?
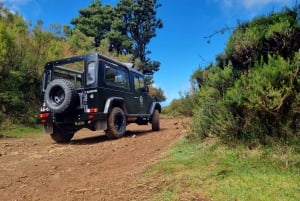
(116, 125)
(62, 133)
(60, 95)
(155, 121)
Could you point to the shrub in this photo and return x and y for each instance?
(181, 107)
(266, 99)
(260, 104)
(212, 117)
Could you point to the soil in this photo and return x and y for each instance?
(90, 167)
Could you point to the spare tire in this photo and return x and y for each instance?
(60, 95)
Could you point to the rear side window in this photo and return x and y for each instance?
(91, 75)
(116, 77)
(46, 79)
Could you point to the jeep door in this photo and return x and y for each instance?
(116, 84)
(141, 98)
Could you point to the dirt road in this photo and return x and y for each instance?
(91, 167)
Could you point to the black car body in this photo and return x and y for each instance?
(96, 92)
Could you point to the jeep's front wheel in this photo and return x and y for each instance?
(62, 133)
(116, 123)
(155, 121)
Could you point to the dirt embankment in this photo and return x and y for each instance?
(91, 167)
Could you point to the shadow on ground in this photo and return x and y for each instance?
(102, 138)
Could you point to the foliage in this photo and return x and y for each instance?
(156, 93)
(142, 27)
(252, 92)
(266, 98)
(277, 33)
(260, 104)
(22, 55)
(94, 21)
(212, 116)
(184, 106)
(79, 43)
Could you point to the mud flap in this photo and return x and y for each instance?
(48, 128)
(100, 125)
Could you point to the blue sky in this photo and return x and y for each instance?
(180, 45)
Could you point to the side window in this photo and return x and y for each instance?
(91, 75)
(116, 77)
(138, 82)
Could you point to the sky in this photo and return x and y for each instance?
(180, 45)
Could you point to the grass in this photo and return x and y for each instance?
(21, 131)
(210, 169)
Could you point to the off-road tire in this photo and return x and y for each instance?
(155, 121)
(60, 95)
(116, 123)
(62, 133)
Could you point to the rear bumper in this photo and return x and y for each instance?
(73, 118)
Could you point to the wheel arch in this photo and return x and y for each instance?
(114, 102)
(155, 106)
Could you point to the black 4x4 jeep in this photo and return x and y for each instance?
(95, 92)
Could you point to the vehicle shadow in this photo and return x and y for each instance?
(102, 138)
(138, 133)
(89, 140)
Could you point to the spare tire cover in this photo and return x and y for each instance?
(60, 95)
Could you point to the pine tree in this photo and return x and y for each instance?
(94, 21)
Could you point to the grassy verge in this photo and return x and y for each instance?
(210, 169)
(21, 131)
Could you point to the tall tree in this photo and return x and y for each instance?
(142, 28)
(94, 21)
(119, 36)
(129, 26)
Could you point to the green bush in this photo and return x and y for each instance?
(277, 33)
(212, 117)
(260, 104)
(181, 107)
(252, 93)
(266, 99)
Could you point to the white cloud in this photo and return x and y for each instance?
(24, 7)
(228, 3)
(243, 10)
(15, 5)
(253, 4)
